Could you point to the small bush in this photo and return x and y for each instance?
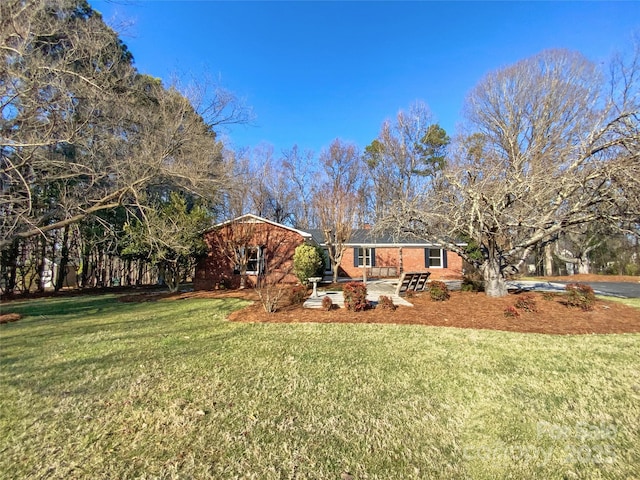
(632, 269)
(526, 302)
(511, 312)
(307, 262)
(386, 303)
(472, 283)
(549, 296)
(298, 295)
(327, 303)
(355, 296)
(581, 296)
(439, 291)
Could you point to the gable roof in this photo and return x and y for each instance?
(251, 218)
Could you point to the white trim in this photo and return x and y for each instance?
(396, 245)
(256, 219)
(366, 257)
(442, 253)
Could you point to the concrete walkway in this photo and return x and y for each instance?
(375, 288)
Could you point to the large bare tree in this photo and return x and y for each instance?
(336, 200)
(552, 143)
(82, 131)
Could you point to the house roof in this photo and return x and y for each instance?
(251, 218)
(360, 237)
(367, 238)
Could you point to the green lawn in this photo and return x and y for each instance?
(94, 388)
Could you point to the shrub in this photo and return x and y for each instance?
(327, 303)
(526, 302)
(385, 303)
(472, 283)
(549, 296)
(307, 262)
(581, 296)
(511, 312)
(632, 269)
(298, 295)
(355, 296)
(439, 291)
(270, 295)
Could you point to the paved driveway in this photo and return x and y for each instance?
(616, 289)
(613, 289)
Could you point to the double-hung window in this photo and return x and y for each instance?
(435, 258)
(254, 258)
(364, 257)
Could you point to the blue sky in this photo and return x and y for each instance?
(315, 71)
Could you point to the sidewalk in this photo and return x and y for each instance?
(375, 288)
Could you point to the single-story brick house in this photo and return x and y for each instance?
(387, 257)
(270, 246)
(264, 245)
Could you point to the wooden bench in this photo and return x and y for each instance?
(382, 272)
(412, 282)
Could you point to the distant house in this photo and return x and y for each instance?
(250, 246)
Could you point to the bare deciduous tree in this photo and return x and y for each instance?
(336, 202)
(298, 168)
(553, 145)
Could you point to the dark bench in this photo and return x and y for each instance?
(412, 282)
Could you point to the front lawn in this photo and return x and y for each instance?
(95, 388)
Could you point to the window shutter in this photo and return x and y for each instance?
(444, 258)
(426, 258)
(373, 257)
(355, 256)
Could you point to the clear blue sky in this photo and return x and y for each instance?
(315, 71)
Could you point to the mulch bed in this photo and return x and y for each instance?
(470, 310)
(462, 310)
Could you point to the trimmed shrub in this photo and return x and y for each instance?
(526, 302)
(307, 262)
(327, 303)
(511, 312)
(355, 296)
(298, 295)
(581, 296)
(438, 291)
(386, 303)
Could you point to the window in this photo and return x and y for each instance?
(435, 258)
(364, 257)
(254, 258)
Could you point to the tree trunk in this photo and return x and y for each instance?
(9, 267)
(548, 260)
(495, 284)
(64, 260)
(584, 265)
(42, 266)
